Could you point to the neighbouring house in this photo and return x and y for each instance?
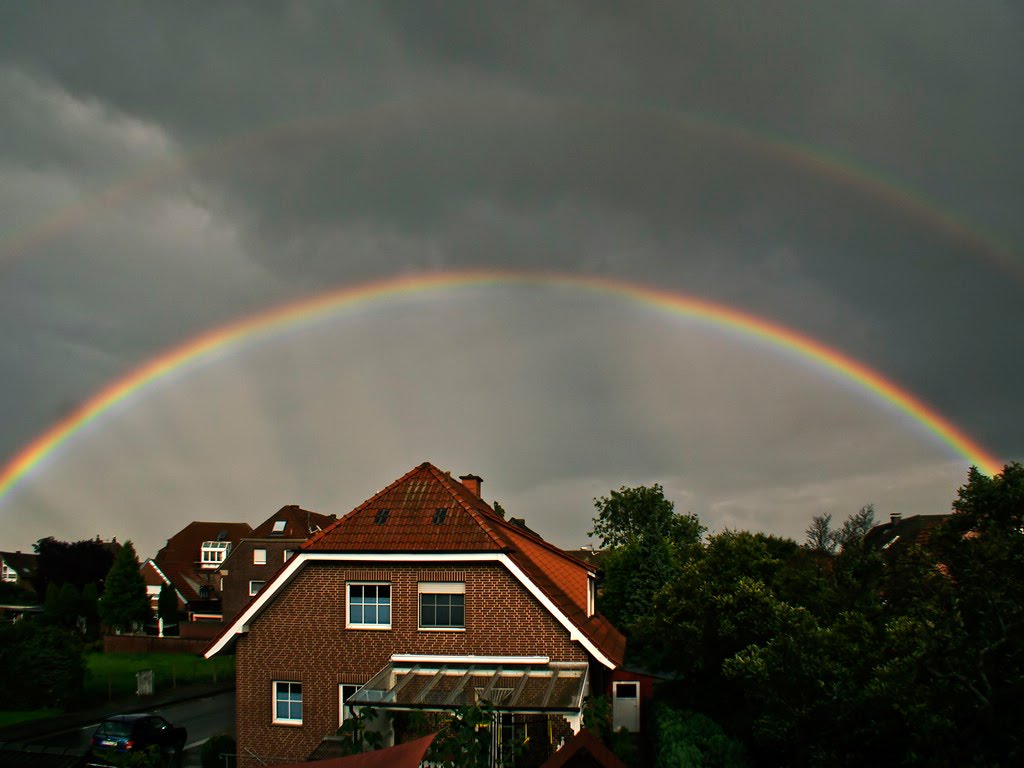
(254, 560)
(419, 599)
(189, 562)
(19, 569)
(900, 533)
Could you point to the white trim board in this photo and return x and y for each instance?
(240, 624)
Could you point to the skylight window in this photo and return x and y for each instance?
(278, 527)
(439, 515)
(382, 516)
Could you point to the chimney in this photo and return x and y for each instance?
(472, 482)
(895, 517)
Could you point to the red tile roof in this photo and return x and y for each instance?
(179, 558)
(299, 523)
(470, 525)
(584, 749)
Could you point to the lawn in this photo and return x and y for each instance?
(113, 674)
(23, 716)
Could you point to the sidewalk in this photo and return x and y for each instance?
(20, 732)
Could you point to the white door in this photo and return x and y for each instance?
(626, 706)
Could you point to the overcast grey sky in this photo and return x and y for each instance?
(850, 170)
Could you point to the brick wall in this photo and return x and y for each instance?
(240, 570)
(302, 637)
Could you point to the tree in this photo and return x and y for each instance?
(41, 665)
(167, 604)
(820, 536)
(79, 563)
(629, 514)
(498, 509)
(647, 544)
(124, 603)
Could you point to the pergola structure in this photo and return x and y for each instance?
(509, 684)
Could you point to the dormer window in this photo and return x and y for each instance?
(382, 516)
(278, 528)
(213, 553)
(439, 515)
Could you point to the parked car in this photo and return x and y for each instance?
(122, 735)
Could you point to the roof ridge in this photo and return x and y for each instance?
(426, 465)
(446, 480)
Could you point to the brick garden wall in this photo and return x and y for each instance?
(302, 637)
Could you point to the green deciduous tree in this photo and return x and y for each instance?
(124, 603)
(628, 515)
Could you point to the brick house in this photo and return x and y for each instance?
(421, 598)
(254, 560)
(189, 562)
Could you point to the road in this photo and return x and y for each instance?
(203, 718)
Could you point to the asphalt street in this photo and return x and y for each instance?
(203, 717)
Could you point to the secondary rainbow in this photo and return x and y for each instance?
(304, 311)
(820, 161)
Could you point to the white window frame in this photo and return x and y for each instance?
(255, 589)
(440, 588)
(259, 557)
(287, 554)
(591, 592)
(348, 602)
(342, 709)
(274, 699)
(9, 574)
(213, 553)
(278, 529)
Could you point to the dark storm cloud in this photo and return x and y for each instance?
(659, 143)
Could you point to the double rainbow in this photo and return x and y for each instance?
(306, 311)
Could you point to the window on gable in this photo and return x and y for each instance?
(382, 516)
(9, 574)
(442, 605)
(439, 515)
(287, 702)
(259, 557)
(287, 553)
(278, 527)
(369, 606)
(255, 586)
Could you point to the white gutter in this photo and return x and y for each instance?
(241, 623)
(417, 658)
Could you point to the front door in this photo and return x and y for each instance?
(626, 706)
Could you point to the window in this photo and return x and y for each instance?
(287, 702)
(214, 552)
(439, 515)
(287, 553)
(9, 574)
(442, 605)
(369, 606)
(344, 691)
(278, 527)
(381, 517)
(255, 586)
(591, 586)
(259, 557)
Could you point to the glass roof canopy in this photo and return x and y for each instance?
(534, 687)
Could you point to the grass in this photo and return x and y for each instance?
(24, 716)
(110, 675)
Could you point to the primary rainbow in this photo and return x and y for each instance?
(310, 309)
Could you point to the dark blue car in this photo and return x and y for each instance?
(122, 735)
